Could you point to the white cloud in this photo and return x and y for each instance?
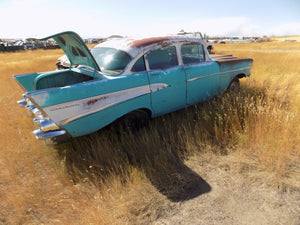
(285, 29)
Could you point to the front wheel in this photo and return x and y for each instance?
(234, 86)
(209, 48)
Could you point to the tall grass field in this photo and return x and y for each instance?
(135, 178)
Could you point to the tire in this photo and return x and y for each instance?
(234, 86)
(209, 48)
(133, 121)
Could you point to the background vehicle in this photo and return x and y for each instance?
(208, 44)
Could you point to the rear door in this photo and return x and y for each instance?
(167, 80)
(202, 75)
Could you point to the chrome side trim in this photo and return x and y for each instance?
(220, 73)
(66, 121)
(62, 114)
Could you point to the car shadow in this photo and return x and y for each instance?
(179, 183)
(103, 154)
(160, 150)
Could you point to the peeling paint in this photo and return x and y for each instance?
(134, 47)
(93, 101)
(149, 41)
(229, 59)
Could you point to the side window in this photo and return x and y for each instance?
(139, 65)
(162, 58)
(192, 54)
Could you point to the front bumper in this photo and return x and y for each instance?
(48, 131)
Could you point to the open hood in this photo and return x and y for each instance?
(75, 48)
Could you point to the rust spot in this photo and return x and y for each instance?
(230, 60)
(189, 42)
(93, 101)
(149, 41)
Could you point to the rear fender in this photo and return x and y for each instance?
(26, 80)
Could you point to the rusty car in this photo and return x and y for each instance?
(137, 79)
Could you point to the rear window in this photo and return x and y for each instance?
(162, 58)
(192, 54)
(110, 60)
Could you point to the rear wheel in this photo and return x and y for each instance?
(133, 121)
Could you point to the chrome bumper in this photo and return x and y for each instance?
(48, 131)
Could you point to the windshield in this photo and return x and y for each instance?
(110, 60)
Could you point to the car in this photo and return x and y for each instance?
(208, 44)
(136, 79)
(236, 40)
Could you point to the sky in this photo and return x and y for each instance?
(102, 18)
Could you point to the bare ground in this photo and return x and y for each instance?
(239, 194)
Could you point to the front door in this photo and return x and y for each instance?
(202, 76)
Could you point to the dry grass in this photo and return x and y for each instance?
(282, 38)
(106, 178)
(274, 132)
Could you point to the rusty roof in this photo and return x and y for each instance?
(148, 41)
(134, 46)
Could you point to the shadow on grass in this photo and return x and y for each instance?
(155, 152)
(159, 151)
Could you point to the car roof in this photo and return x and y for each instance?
(134, 46)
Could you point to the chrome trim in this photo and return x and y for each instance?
(40, 135)
(47, 125)
(22, 102)
(88, 106)
(31, 100)
(35, 111)
(66, 121)
(63, 105)
(48, 131)
(215, 74)
(30, 107)
(38, 120)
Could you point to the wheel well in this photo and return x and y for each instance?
(133, 120)
(148, 111)
(234, 85)
(241, 75)
(145, 110)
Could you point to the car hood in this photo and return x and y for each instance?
(75, 49)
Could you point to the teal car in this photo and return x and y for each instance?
(128, 78)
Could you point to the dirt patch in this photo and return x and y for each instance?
(240, 194)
